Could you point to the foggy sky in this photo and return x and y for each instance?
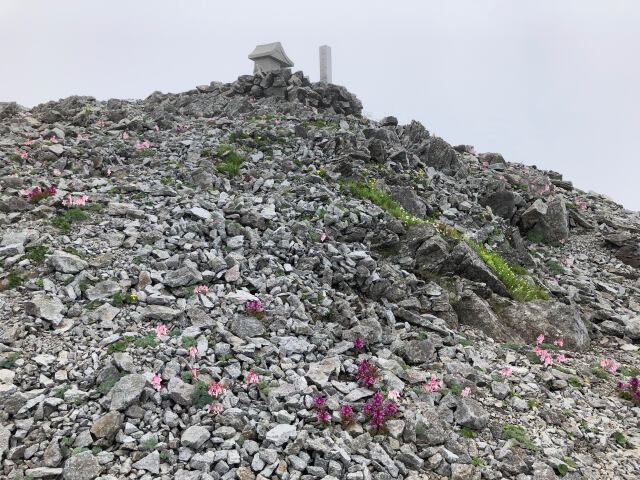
(552, 83)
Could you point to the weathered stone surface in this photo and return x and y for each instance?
(504, 203)
(320, 372)
(246, 326)
(82, 466)
(182, 277)
(194, 437)
(150, 463)
(160, 312)
(179, 391)
(548, 218)
(553, 319)
(107, 426)
(102, 290)
(632, 330)
(127, 391)
(281, 434)
(471, 414)
(476, 312)
(66, 262)
(47, 308)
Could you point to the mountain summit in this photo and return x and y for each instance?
(251, 280)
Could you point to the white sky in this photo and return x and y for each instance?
(553, 83)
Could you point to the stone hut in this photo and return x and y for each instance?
(269, 57)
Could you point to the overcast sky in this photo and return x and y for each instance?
(552, 83)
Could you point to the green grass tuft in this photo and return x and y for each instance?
(229, 162)
(519, 434)
(384, 201)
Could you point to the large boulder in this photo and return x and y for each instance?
(127, 391)
(553, 319)
(464, 261)
(66, 263)
(476, 312)
(82, 466)
(549, 219)
(441, 156)
(627, 247)
(503, 203)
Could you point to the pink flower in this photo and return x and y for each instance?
(537, 350)
(157, 128)
(146, 144)
(217, 409)
(548, 361)
(56, 171)
(486, 164)
(467, 165)
(194, 373)
(613, 367)
(540, 339)
(125, 135)
(193, 351)
(559, 342)
(394, 394)
(526, 170)
(358, 343)
(252, 378)
(562, 241)
(466, 391)
(28, 114)
(432, 386)
(277, 121)
(323, 416)
(605, 363)
(28, 142)
(561, 358)
(583, 206)
(200, 289)
(215, 389)
(501, 177)
(79, 136)
(161, 330)
(53, 139)
(505, 372)
(108, 172)
(323, 237)
(155, 380)
(139, 145)
(100, 123)
(473, 150)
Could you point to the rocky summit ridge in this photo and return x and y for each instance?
(251, 280)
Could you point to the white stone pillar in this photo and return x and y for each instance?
(325, 64)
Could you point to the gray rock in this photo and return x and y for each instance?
(500, 390)
(5, 437)
(549, 219)
(632, 330)
(246, 326)
(179, 391)
(107, 426)
(416, 352)
(82, 466)
(102, 290)
(150, 463)
(471, 414)
(182, 277)
(160, 312)
(127, 391)
(476, 312)
(281, 434)
(194, 437)
(66, 263)
(47, 308)
(319, 372)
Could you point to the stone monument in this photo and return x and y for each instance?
(325, 64)
(269, 57)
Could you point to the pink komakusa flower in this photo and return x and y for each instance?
(161, 330)
(613, 367)
(200, 289)
(548, 361)
(526, 170)
(605, 363)
(561, 358)
(100, 123)
(79, 136)
(467, 165)
(217, 409)
(323, 237)
(252, 378)
(28, 114)
(56, 171)
(108, 172)
(125, 135)
(432, 386)
(466, 391)
(559, 342)
(394, 395)
(486, 164)
(139, 145)
(194, 372)
(28, 142)
(53, 139)
(505, 372)
(583, 206)
(562, 241)
(215, 389)
(540, 339)
(501, 177)
(155, 380)
(193, 351)
(156, 128)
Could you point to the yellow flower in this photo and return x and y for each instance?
(318, 171)
(259, 138)
(133, 297)
(412, 187)
(246, 133)
(365, 170)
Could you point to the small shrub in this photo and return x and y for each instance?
(230, 161)
(148, 340)
(61, 391)
(36, 254)
(555, 268)
(518, 433)
(599, 372)
(534, 237)
(200, 395)
(186, 377)
(575, 382)
(467, 432)
(619, 438)
(477, 462)
(10, 360)
(165, 455)
(563, 469)
(149, 444)
(107, 385)
(188, 342)
(14, 280)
